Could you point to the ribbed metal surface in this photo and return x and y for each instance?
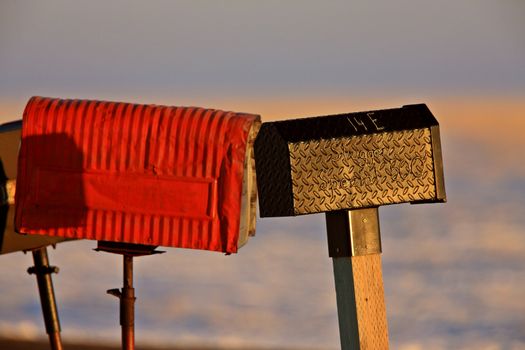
(132, 173)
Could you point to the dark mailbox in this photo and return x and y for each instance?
(349, 161)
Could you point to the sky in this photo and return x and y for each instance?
(453, 273)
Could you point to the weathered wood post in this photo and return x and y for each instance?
(347, 166)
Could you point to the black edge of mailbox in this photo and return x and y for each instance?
(344, 125)
(11, 126)
(274, 176)
(272, 155)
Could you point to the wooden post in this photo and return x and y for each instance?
(355, 246)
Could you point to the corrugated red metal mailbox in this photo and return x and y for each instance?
(347, 166)
(135, 177)
(12, 242)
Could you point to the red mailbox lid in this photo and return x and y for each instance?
(145, 174)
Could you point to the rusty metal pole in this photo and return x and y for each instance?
(126, 295)
(127, 306)
(43, 272)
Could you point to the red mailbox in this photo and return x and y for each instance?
(145, 174)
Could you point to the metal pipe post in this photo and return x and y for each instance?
(126, 295)
(127, 306)
(43, 271)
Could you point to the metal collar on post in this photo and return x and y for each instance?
(354, 244)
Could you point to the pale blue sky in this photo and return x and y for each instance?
(260, 48)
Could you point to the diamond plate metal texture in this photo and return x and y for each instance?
(362, 171)
(273, 173)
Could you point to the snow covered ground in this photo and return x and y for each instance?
(454, 277)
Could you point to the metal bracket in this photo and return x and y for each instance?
(42, 270)
(115, 292)
(128, 249)
(353, 232)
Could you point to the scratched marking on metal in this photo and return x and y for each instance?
(362, 171)
(10, 187)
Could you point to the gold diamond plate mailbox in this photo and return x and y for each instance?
(348, 165)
